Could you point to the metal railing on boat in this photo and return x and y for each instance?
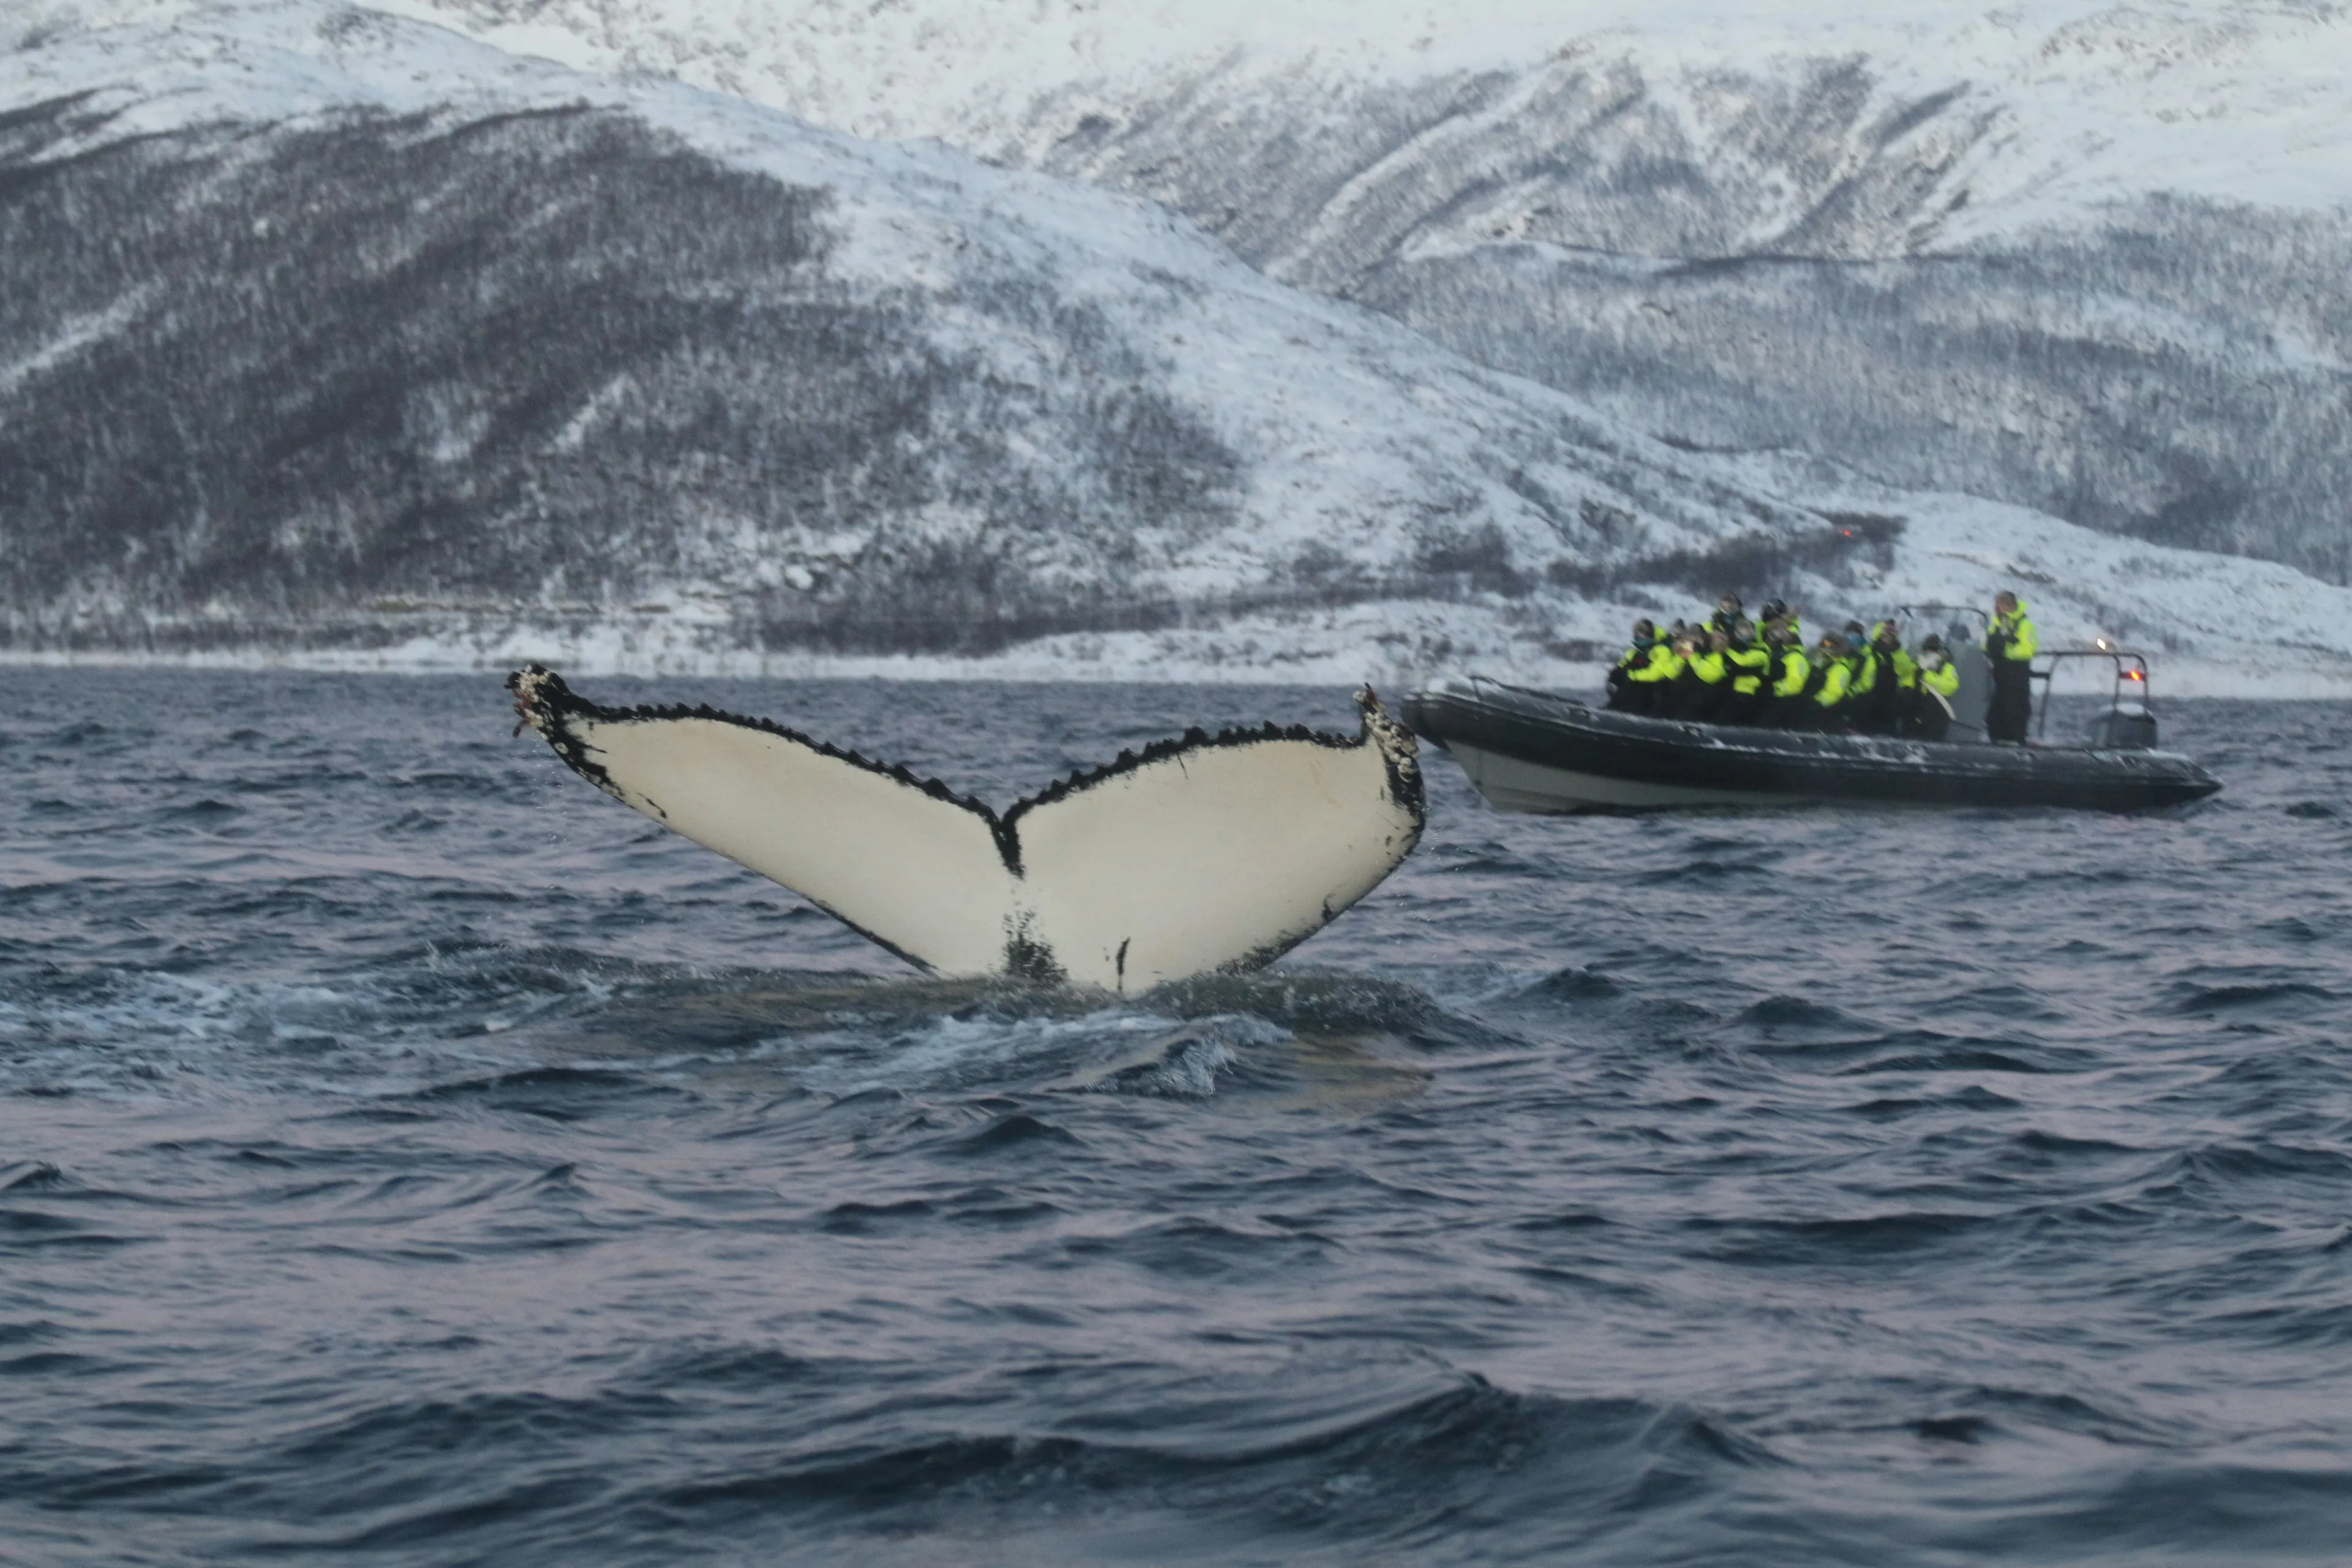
(2130, 679)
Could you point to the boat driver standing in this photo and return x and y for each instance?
(2011, 645)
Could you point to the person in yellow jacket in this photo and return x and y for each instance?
(2011, 643)
(1777, 610)
(1884, 683)
(1834, 664)
(1701, 688)
(1622, 693)
(1750, 667)
(1907, 668)
(1930, 715)
(1861, 687)
(1791, 673)
(1653, 679)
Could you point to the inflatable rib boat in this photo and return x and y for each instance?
(1531, 751)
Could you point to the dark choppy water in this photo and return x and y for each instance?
(409, 1157)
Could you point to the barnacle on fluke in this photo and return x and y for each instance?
(1202, 853)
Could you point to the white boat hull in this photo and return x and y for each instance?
(1514, 783)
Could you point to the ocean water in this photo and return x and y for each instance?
(408, 1155)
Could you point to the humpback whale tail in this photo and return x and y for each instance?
(1209, 852)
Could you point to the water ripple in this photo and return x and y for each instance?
(409, 1157)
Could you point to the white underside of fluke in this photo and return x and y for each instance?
(1205, 854)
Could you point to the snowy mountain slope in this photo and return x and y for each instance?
(2073, 255)
(329, 337)
(2093, 101)
(308, 316)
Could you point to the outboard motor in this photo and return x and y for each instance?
(2126, 727)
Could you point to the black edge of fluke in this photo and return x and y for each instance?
(1400, 750)
(1395, 743)
(545, 704)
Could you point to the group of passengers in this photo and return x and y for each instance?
(1858, 680)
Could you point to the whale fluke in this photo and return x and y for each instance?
(1210, 852)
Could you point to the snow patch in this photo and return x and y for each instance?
(2237, 101)
(79, 333)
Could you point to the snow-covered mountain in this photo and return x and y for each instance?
(2074, 255)
(316, 321)
(2046, 106)
(330, 335)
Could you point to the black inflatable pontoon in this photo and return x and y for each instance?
(1531, 751)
